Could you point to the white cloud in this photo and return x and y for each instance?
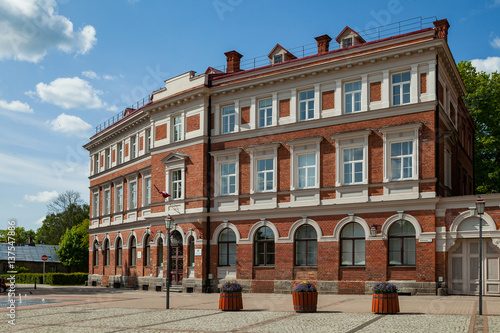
(93, 75)
(69, 93)
(495, 42)
(16, 106)
(32, 172)
(40, 221)
(488, 65)
(30, 28)
(44, 196)
(90, 74)
(70, 124)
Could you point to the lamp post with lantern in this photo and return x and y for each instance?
(480, 211)
(169, 224)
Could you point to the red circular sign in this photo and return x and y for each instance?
(45, 258)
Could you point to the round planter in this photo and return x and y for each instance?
(385, 303)
(305, 301)
(230, 302)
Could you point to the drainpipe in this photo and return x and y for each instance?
(208, 174)
(437, 127)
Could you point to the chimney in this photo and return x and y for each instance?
(323, 43)
(233, 61)
(441, 27)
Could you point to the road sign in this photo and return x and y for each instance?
(44, 258)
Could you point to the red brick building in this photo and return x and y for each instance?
(345, 166)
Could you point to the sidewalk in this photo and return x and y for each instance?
(87, 309)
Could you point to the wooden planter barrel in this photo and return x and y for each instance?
(385, 303)
(305, 301)
(230, 302)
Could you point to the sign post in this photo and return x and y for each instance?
(44, 259)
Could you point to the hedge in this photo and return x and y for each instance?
(67, 279)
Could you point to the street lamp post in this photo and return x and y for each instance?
(169, 224)
(480, 211)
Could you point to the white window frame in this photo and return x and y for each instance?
(107, 158)
(130, 202)
(119, 153)
(177, 184)
(146, 190)
(347, 40)
(353, 94)
(401, 157)
(353, 164)
(106, 203)
(260, 152)
(176, 162)
(401, 133)
(228, 116)
(148, 140)
(267, 110)
(133, 146)
(299, 147)
(118, 199)
(350, 140)
(96, 163)
(177, 128)
(400, 86)
(95, 203)
(305, 102)
(225, 157)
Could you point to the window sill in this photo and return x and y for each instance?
(402, 266)
(353, 266)
(263, 266)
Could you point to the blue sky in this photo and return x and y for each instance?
(67, 65)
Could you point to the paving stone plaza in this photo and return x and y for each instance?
(91, 309)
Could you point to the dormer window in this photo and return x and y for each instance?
(349, 37)
(279, 54)
(346, 42)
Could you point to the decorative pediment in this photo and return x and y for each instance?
(279, 54)
(174, 157)
(211, 70)
(349, 37)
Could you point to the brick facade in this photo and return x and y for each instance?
(215, 175)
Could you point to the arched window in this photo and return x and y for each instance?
(306, 246)
(191, 251)
(227, 248)
(159, 258)
(352, 244)
(402, 243)
(147, 251)
(133, 251)
(96, 253)
(118, 248)
(106, 252)
(264, 247)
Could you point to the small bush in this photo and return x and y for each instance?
(66, 279)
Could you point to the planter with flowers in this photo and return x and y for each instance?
(230, 296)
(385, 298)
(305, 297)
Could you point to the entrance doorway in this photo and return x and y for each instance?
(176, 263)
(464, 268)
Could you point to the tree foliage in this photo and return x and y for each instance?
(483, 102)
(65, 212)
(21, 235)
(74, 246)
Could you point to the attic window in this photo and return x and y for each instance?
(278, 58)
(346, 42)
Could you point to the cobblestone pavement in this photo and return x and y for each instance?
(87, 309)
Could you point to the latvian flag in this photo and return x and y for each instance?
(163, 193)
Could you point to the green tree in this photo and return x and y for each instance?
(74, 247)
(483, 102)
(66, 211)
(21, 235)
